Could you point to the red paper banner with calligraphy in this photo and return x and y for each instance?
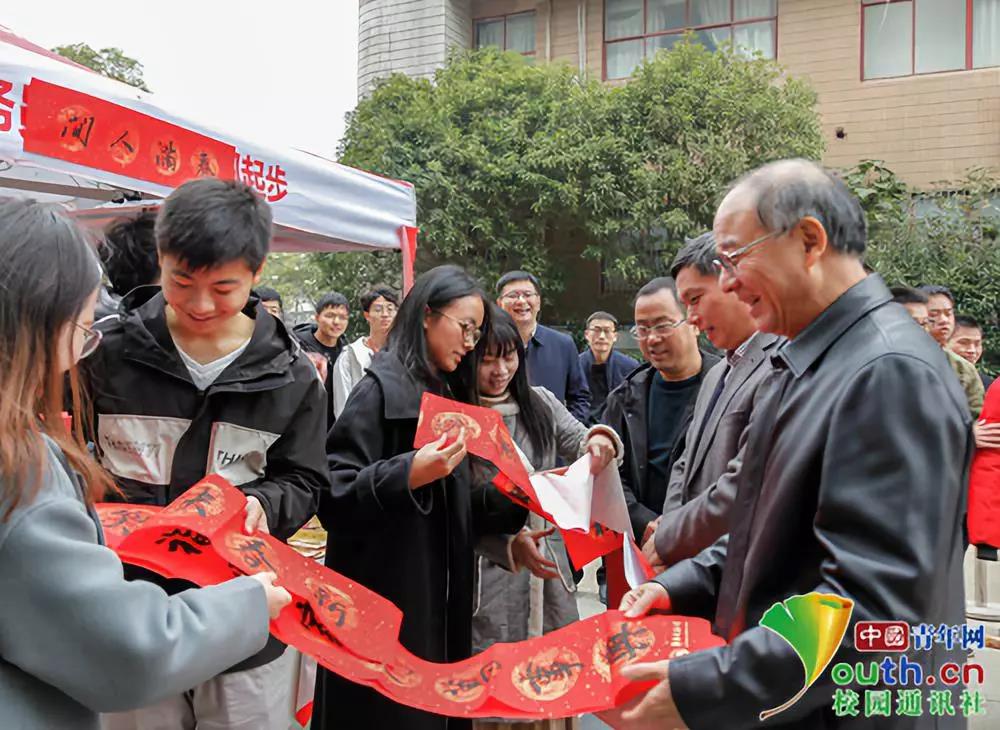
(354, 632)
(75, 127)
(487, 437)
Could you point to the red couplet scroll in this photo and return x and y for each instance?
(354, 632)
(487, 437)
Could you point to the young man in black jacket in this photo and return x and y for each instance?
(196, 378)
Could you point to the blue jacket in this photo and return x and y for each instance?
(553, 364)
(619, 367)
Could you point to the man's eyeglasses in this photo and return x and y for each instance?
(664, 329)
(606, 331)
(727, 262)
(513, 296)
(469, 330)
(380, 310)
(91, 340)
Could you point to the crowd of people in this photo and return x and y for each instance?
(818, 438)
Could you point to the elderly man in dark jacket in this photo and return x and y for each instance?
(860, 444)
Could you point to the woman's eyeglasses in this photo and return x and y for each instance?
(469, 330)
(91, 340)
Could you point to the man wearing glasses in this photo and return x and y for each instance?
(854, 487)
(604, 366)
(703, 481)
(553, 362)
(652, 408)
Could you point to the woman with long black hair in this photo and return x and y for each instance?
(403, 522)
(76, 638)
(524, 583)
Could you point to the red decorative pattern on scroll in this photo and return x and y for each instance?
(85, 130)
(487, 437)
(355, 633)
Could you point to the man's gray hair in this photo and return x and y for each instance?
(787, 191)
(699, 253)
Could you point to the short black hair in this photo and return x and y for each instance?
(787, 191)
(380, 290)
(207, 222)
(602, 315)
(332, 299)
(907, 295)
(128, 252)
(267, 294)
(698, 252)
(964, 320)
(932, 289)
(657, 285)
(518, 276)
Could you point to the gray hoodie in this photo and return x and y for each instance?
(77, 639)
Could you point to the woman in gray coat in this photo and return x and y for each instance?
(524, 584)
(76, 639)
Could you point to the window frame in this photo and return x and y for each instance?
(969, 28)
(504, 18)
(605, 41)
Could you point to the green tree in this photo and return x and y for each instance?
(693, 121)
(110, 62)
(514, 160)
(947, 235)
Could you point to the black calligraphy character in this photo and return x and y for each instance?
(203, 167)
(166, 158)
(461, 687)
(186, 541)
(204, 497)
(489, 671)
(333, 606)
(124, 519)
(123, 141)
(255, 554)
(81, 128)
(542, 675)
(309, 620)
(626, 644)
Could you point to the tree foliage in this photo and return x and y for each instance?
(947, 235)
(512, 160)
(110, 62)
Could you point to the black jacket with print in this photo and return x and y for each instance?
(261, 424)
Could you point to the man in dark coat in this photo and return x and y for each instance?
(652, 408)
(860, 444)
(604, 367)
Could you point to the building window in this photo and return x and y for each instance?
(510, 32)
(907, 37)
(637, 29)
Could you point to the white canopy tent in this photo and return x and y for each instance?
(106, 149)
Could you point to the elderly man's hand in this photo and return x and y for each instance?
(653, 711)
(645, 598)
(653, 557)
